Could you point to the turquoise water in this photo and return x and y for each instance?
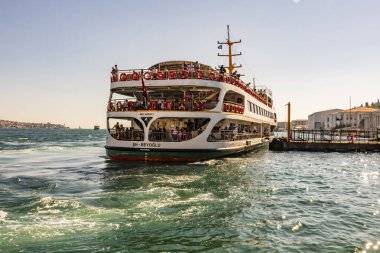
(59, 193)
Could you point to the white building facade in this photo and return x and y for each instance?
(318, 120)
(364, 118)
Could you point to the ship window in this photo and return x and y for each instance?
(228, 130)
(126, 129)
(173, 129)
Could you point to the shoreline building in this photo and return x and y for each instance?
(318, 120)
(365, 118)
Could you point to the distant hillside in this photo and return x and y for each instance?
(16, 124)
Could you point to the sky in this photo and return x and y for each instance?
(56, 56)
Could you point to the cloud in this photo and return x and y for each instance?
(296, 1)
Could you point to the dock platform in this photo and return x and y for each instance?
(328, 141)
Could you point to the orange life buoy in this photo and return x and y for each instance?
(200, 105)
(168, 105)
(148, 75)
(228, 79)
(135, 76)
(199, 74)
(130, 105)
(221, 78)
(227, 107)
(123, 77)
(212, 76)
(152, 105)
(184, 74)
(172, 74)
(160, 75)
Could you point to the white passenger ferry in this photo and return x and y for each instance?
(186, 111)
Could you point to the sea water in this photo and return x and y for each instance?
(60, 193)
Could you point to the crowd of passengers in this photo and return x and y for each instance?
(157, 134)
(177, 134)
(159, 104)
(192, 68)
(232, 132)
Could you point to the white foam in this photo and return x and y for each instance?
(297, 226)
(3, 215)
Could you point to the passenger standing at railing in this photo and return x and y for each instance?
(160, 104)
(125, 105)
(164, 134)
(117, 128)
(175, 134)
(191, 70)
(184, 66)
(116, 73)
(122, 131)
(222, 70)
(113, 73)
(197, 66)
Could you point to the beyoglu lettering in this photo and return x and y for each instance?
(146, 144)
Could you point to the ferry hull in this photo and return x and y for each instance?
(168, 155)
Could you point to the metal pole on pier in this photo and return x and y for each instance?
(288, 137)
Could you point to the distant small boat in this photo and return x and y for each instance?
(96, 127)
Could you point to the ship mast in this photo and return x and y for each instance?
(231, 66)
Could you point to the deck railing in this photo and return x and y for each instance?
(231, 135)
(146, 74)
(127, 134)
(173, 135)
(167, 105)
(336, 136)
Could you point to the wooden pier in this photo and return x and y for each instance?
(328, 141)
